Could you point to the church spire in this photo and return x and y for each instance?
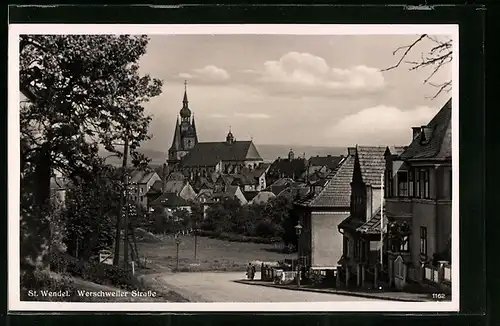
(176, 142)
(185, 100)
(185, 111)
(194, 131)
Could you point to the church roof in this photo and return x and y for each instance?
(211, 153)
(434, 140)
(177, 141)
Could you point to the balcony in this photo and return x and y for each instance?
(397, 206)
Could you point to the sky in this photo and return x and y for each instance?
(291, 89)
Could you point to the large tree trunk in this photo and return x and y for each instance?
(35, 219)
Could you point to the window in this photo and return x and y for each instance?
(423, 242)
(425, 181)
(349, 250)
(411, 185)
(404, 245)
(403, 184)
(417, 184)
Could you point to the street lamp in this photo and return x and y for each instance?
(298, 231)
(195, 239)
(177, 243)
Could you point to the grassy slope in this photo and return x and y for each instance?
(212, 254)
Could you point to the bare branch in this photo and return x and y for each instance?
(408, 49)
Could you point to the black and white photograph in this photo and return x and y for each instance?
(233, 168)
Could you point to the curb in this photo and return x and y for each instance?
(346, 293)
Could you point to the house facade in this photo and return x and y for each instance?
(419, 199)
(361, 229)
(320, 212)
(140, 182)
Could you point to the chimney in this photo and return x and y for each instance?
(351, 151)
(415, 132)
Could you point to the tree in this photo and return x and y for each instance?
(81, 92)
(440, 54)
(91, 211)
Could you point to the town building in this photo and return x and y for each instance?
(140, 182)
(419, 201)
(320, 212)
(291, 168)
(319, 167)
(361, 229)
(195, 159)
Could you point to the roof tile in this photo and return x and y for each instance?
(437, 142)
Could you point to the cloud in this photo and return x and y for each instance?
(185, 75)
(379, 125)
(213, 72)
(253, 115)
(208, 74)
(307, 73)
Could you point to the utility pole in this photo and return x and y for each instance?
(126, 223)
(116, 258)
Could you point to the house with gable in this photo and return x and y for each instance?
(419, 201)
(140, 182)
(361, 229)
(320, 212)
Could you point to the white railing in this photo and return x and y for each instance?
(447, 273)
(429, 273)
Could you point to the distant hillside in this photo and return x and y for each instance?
(268, 152)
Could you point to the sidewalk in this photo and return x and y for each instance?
(391, 296)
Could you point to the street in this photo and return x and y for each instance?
(220, 287)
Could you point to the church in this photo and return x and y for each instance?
(194, 158)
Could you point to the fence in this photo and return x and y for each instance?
(438, 274)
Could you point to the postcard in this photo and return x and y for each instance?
(167, 168)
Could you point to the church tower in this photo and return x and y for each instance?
(185, 137)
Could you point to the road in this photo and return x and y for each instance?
(220, 287)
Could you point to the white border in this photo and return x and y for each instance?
(14, 303)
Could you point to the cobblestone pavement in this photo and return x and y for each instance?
(220, 287)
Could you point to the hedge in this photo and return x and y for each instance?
(238, 237)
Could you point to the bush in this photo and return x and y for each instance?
(42, 281)
(94, 272)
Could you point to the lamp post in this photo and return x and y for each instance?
(195, 239)
(298, 232)
(177, 243)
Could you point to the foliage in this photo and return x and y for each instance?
(92, 207)
(42, 281)
(95, 272)
(80, 91)
(263, 220)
